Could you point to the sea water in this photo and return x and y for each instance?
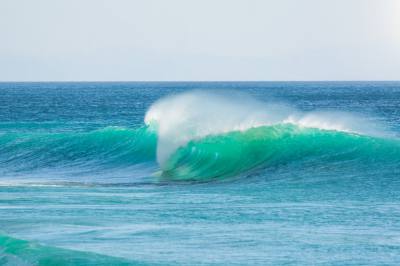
(200, 173)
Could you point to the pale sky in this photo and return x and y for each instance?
(151, 40)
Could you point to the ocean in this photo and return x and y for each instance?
(200, 173)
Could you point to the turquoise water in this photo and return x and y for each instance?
(261, 173)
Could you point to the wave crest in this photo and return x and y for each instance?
(190, 116)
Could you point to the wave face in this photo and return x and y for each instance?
(237, 152)
(203, 135)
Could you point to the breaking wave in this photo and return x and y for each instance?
(199, 136)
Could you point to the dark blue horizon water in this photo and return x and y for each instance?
(81, 183)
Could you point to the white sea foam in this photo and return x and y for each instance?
(196, 114)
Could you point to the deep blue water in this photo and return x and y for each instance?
(221, 173)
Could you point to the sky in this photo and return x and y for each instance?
(183, 40)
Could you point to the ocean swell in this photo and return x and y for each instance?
(201, 136)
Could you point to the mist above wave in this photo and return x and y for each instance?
(192, 115)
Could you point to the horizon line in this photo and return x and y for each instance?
(182, 81)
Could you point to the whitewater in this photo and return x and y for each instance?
(151, 173)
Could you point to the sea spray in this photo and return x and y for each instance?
(187, 123)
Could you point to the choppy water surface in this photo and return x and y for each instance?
(200, 173)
